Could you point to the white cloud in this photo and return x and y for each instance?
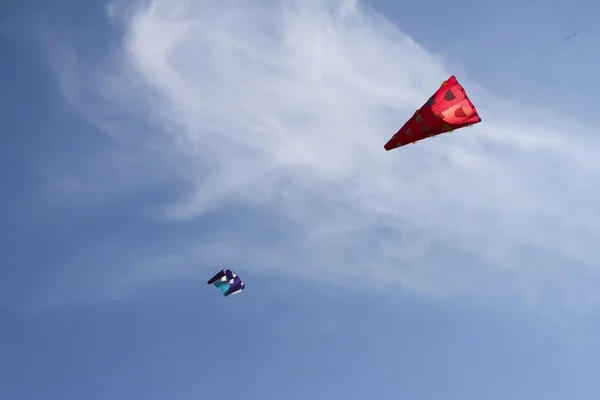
(285, 106)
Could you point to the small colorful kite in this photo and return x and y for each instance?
(228, 282)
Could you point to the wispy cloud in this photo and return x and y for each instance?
(283, 108)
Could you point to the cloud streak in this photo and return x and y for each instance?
(282, 109)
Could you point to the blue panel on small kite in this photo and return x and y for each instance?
(228, 282)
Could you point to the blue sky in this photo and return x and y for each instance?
(147, 145)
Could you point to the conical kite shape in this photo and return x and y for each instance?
(448, 109)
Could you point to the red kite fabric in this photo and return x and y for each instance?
(448, 109)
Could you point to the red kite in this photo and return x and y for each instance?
(448, 109)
